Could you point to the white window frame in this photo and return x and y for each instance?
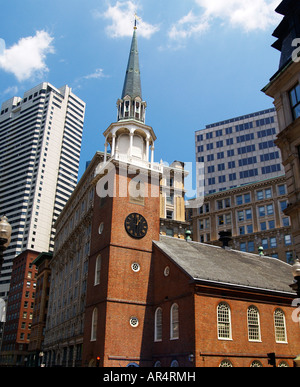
(174, 322)
(252, 325)
(97, 270)
(158, 325)
(94, 325)
(227, 322)
(279, 329)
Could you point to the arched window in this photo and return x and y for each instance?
(226, 363)
(253, 324)
(283, 364)
(158, 325)
(224, 321)
(256, 364)
(280, 328)
(94, 325)
(174, 322)
(97, 270)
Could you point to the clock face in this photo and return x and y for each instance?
(136, 226)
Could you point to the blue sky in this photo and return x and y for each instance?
(202, 61)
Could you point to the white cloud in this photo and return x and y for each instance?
(245, 15)
(97, 74)
(2, 46)
(122, 20)
(189, 25)
(26, 58)
(12, 91)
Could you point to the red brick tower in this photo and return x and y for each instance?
(118, 321)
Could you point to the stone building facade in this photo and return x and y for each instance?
(284, 88)
(254, 215)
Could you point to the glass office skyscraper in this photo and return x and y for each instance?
(40, 143)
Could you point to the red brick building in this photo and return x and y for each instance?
(42, 263)
(154, 300)
(19, 314)
(233, 307)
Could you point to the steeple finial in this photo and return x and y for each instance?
(136, 18)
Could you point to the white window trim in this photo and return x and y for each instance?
(97, 271)
(259, 328)
(230, 325)
(155, 325)
(172, 337)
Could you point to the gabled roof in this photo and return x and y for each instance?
(203, 262)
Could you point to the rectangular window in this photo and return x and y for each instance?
(247, 198)
(260, 195)
(263, 226)
(251, 247)
(265, 244)
(289, 257)
(295, 101)
(169, 214)
(249, 229)
(286, 222)
(232, 176)
(248, 214)
(273, 242)
(239, 200)
(271, 224)
(270, 209)
(241, 216)
(283, 205)
(262, 211)
(243, 247)
(281, 189)
(287, 240)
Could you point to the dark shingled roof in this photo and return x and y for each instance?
(132, 83)
(204, 262)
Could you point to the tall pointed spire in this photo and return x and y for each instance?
(132, 84)
(131, 105)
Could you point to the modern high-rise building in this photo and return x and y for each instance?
(239, 151)
(40, 143)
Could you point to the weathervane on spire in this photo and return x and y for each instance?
(136, 18)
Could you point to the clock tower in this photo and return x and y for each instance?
(126, 219)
